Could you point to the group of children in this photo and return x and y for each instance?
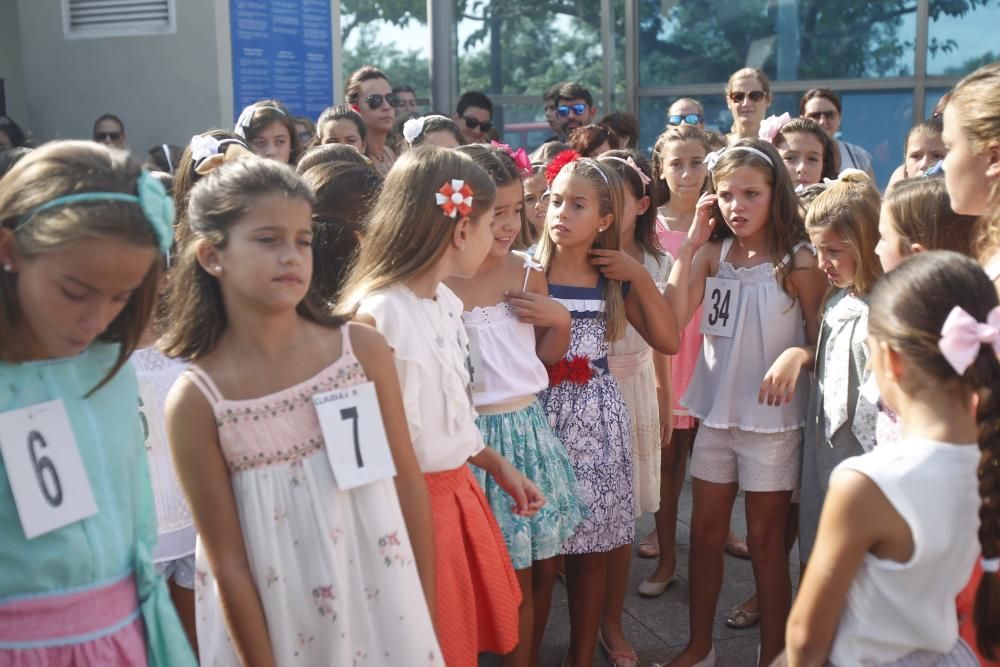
(381, 416)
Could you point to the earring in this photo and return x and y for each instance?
(8, 268)
(217, 269)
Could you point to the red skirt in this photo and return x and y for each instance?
(476, 589)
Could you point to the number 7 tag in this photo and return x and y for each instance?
(720, 306)
(356, 444)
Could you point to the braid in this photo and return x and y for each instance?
(986, 611)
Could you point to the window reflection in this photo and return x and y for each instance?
(962, 36)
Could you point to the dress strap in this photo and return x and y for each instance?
(798, 246)
(346, 350)
(727, 243)
(204, 383)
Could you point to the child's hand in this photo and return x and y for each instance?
(528, 499)
(780, 380)
(538, 309)
(701, 229)
(617, 265)
(666, 410)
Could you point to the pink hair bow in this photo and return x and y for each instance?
(962, 337)
(771, 126)
(520, 157)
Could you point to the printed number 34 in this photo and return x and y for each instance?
(720, 307)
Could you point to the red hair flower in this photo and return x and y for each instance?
(575, 370)
(454, 198)
(557, 163)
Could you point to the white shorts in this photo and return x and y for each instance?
(756, 461)
(180, 570)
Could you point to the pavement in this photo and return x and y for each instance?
(658, 628)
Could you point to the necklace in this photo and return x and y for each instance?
(438, 331)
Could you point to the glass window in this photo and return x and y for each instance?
(960, 38)
(693, 41)
(522, 125)
(931, 97)
(394, 39)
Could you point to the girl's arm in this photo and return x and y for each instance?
(202, 473)
(551, 319)
(854, 520)
(528, 499)
(411, 488)
(693, 264)
(664, 397)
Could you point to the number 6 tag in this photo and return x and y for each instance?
(718, 312)
(46, 474)
(356, 444)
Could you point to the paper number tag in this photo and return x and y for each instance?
(722, 300)
(477, 371)
(44, 468)
(356, 444)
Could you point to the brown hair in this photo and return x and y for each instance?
(750, 73)
(785, 225)
(849, 208)
(407, 232)
(196, 312)
(682, 132)
(500, 166)
(908, 307)
(436, 123)
(68, 167)
(645, 224)
(352, 91)
(623, 125)
(932, 127)
(544, 153)
(325, 153)
(271, 111)
(830, 151)
(920, 210)
(825, 93)
(588, 138)
(608, 187)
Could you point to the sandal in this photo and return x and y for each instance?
(618, 658)
(738, 548)
(649, 547)
(741, 619)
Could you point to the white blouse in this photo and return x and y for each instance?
(431, 354)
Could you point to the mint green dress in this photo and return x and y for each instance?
(113, 545)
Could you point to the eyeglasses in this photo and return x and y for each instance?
(690, 119)
(577, 109)
(819, 115)
(473, 123)
(107, 136)
(376, 101)
(755, 96)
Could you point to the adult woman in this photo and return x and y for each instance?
(823, 106)
(748, 95)
(369, 93)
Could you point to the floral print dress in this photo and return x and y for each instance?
(334, 569)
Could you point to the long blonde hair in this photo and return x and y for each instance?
(610, 199)
(407, 232)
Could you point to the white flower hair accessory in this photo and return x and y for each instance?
(413, 128)
(203, 146)
(771, 126)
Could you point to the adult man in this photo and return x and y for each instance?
(406, 101)
(474, 116)
(109, 130)
(574, 108)
(686, 110)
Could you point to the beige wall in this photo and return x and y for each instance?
(164, 87)
(11, 69)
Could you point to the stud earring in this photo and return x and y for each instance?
(217, 269)
(8, 268)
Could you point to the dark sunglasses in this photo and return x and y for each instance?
(578, 109)
(690, 119)
(376, 101)
(473, 123)
(110, 136)
(819, 115)
(754, 95)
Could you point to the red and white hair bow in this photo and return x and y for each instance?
(454, 198)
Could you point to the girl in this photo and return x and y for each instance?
(433, 130)
(972, 166)
(586, 271)
(922, 149)
(842, 224)
(516, 331)
(81, 233)
(644, 379)
(808, 153)
(748, 95)
(534, 194)
(291, 565)
(754, 324)
(368, 92)
(435, 211)
(897, 539)
(269, 130)
(341, 125)
(679, 176)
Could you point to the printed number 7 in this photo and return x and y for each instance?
(352, 414)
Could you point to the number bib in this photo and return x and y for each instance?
(356, 444)
(718, 313)
(44, 468)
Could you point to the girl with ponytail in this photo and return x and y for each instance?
(897, 535)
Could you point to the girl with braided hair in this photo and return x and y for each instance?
(897, 535)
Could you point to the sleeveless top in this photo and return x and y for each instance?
(511, 369)
(726, 383)
(895, 608)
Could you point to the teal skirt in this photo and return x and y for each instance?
(525, 439)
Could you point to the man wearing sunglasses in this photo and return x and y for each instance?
(110, 131)
(474, 117)
(686, 111)
(574, 108)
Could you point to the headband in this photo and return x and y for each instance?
(714, 156)
(631, 163)
(166, 154)
(246, 117)
(598, 167)
(152, 198)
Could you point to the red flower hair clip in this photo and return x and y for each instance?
(575, 370)
(454, 198)
(557, 163)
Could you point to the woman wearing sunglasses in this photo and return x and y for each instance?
(823, 106)
(686, 111)
(369, 93)
(748, 95)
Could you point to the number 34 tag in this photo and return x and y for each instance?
(43, 464)
(356, 444)
(718, 312)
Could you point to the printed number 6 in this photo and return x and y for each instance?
(41, 464)
(352, 414)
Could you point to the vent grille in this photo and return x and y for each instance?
(117, 18)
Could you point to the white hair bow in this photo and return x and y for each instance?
(412, 129)
(203, 146)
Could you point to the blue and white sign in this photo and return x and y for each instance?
(282, 49)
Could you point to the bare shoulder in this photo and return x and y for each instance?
(538, 283)
(804, 258)
(371, 349)
(187, 406)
